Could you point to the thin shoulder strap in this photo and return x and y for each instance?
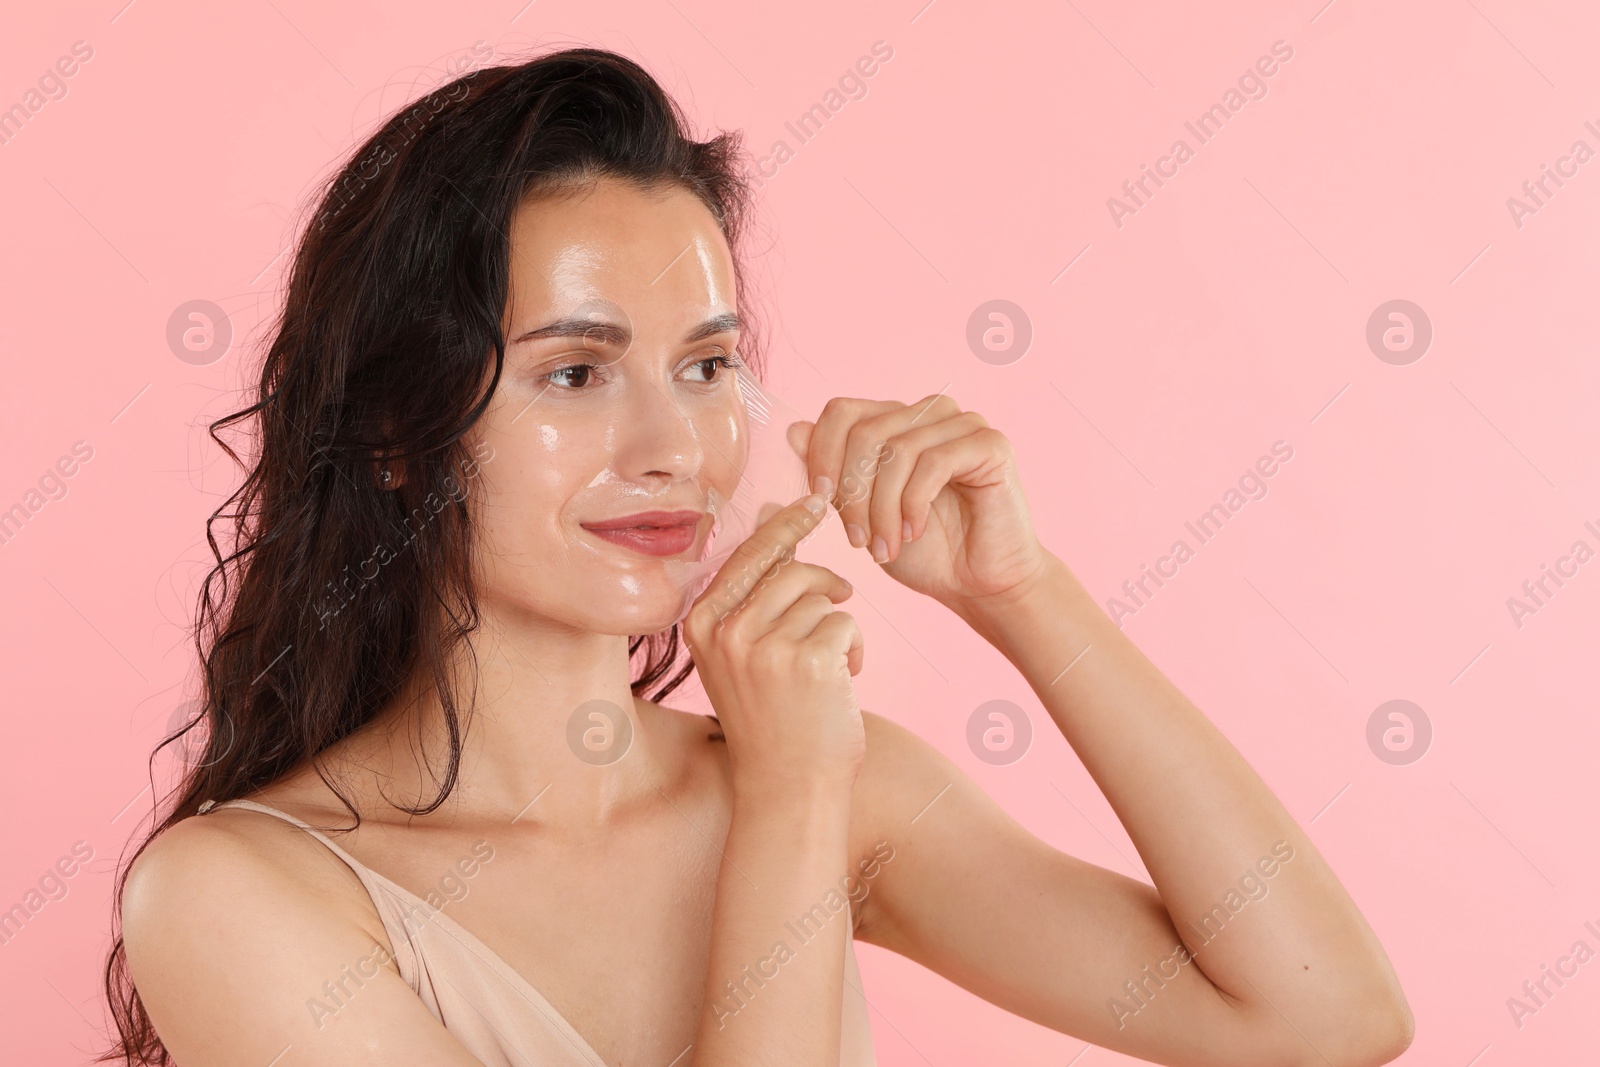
(362, 871)
(391, 911)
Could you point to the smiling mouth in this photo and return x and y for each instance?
(651, 540)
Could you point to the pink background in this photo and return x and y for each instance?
(1228, 313)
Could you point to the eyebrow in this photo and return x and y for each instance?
(611, 333)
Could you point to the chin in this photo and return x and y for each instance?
(641, 622)
(632, 614)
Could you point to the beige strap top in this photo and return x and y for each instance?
(491, 1009)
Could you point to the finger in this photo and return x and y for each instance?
(799, 437)
(887, 515)
(839, 634)
(825, 455)
(771, 508)
(977, 459)
(772, 541)
(786, 585)
(869, 450)
(802, 616)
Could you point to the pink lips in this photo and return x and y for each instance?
(655, 533)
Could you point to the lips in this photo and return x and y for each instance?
(654, 533)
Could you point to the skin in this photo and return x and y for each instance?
(795, 795)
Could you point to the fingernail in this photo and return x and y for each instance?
(905, 530)
(857, 535)
(816, 504)
(880, 549)
(823, 484)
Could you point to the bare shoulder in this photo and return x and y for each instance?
(901, 773)
(237, 856)
(232, 926)
(908, 798)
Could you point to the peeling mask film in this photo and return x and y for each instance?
(649, 548)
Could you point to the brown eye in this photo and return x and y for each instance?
(722, 362)
(556, 376)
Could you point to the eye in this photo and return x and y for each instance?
(561, 374)
(724, 360)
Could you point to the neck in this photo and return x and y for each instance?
(556, 736)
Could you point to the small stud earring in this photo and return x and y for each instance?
(386, 477)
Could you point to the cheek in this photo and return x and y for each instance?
(726, 452)
(539, 469)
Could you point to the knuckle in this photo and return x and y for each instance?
(780, 571)
(867, 436)
(850, 489)
(996, 438)
(817, 600)
(842, 404)
(695, 625)
(735, 626)
(820, 576)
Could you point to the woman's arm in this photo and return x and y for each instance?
(1284, 969)
(775, 983)
(1289, 972)
(236, 935)
(777, 662)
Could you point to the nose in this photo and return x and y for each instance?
(659, 439)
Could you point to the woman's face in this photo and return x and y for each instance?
(618, 397)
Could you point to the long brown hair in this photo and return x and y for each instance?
(391, 320)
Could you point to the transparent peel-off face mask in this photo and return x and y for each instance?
(774, 476)
(699, 438)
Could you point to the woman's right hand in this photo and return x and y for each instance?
(777, 661)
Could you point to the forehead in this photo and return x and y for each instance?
(649, 250)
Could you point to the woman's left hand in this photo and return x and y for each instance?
(945, 472)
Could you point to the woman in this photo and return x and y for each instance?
(515, 323)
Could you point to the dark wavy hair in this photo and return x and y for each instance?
(388, 332)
